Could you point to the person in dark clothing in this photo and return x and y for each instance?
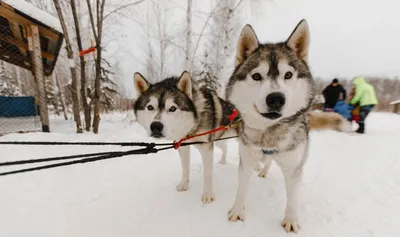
(332, 93)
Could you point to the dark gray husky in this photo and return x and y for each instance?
(173, 109)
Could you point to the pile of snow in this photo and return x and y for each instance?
(319, 99)
(395, 102)
(351, 187)
(36, 13)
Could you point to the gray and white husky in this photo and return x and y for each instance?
(272, 87)
(173, 109)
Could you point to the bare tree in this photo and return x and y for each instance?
(162, 35)
(85, 104)
(218, 63)
(97, 28)
(70, 54)
(188, 49)
(61, 96)
(228, 25)
(158, 40)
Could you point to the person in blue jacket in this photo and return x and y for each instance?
(342, 108)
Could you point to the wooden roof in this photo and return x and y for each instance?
(395, 102)
(14, 41)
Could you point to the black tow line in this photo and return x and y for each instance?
(89, 157)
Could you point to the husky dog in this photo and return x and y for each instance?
(328, 120)
(173, 109)
(316, 121)
(272, 87)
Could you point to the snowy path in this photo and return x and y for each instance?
(351, 188)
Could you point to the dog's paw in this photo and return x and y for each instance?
(236, 214)
(208, 197)
(262, 174)
(290, 224)
(222, 161)
(182, 186)
(258, 167)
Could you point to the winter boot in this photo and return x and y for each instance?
(360, 128)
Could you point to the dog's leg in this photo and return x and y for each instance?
(223, 146)
(248, 158)
(291, 164)
(206, 151)
(267, 164)
(184, 153)
(260, 165)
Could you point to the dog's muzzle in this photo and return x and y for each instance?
(156, 129)
(271, 115)
(275, 101)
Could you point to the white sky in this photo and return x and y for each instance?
(348, 37)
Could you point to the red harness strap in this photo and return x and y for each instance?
(86, 51)
(231, 117)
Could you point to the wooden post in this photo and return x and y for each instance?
(37, 70)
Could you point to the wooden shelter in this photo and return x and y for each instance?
(395, 106)
(30, 38)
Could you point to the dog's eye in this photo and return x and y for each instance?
(172, 109)
(150, 107)
(256, 77)
(288, 75)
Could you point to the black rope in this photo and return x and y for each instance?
(58, 158)
(84, 143)
(90, 157)
(97, 143)
(150, 149)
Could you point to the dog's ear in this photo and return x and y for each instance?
(246, 45)
(141, 84)
(185, 84)
(299, 40)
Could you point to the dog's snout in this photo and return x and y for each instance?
(275, 100)
(156, 127)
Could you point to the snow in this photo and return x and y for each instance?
(19, 124)
(36, 13)
(351, 188)
(318, 99)
(395, 102)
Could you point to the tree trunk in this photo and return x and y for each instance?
(97, 93)
(83, 69)
(97, 35)
(74, 85)
(19, 81)
(56, 93)
(62, 97)
(188, 35)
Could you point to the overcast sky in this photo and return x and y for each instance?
(348, 37)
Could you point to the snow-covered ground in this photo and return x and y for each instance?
(19, 124)
(351, 188)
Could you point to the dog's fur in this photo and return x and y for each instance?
(280, 125)
(316, 121)
(328, 120)
(195, 110)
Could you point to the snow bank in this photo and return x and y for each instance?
(351, 187)
(34, 12)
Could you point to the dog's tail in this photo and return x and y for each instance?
(328, 120)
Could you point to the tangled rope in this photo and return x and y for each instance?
(88, 157)
(92, 157)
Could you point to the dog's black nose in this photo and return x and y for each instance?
(156, 127)
(275, 100)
